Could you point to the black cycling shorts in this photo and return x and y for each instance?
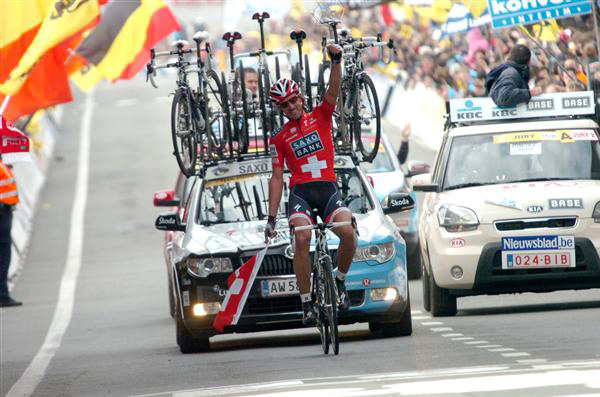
(324, 197)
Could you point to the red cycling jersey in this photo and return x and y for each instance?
(306, 145)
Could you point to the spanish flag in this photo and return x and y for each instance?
(63, 21)
(19, 24)
(120, 45)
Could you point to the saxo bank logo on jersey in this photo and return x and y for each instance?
(469, 111)
(306, 145)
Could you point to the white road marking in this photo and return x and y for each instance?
(502, 349)
(421, 317)
(452, 335)
(34, 373)
(532, 361)
(416, 383)
(463, 338)
(476, 342)
(428, 323)
(516, 354)
(441, 329)
(488, 346)
(127, 102)
(416, 312)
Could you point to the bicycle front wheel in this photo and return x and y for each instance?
(319, 302)
(331, 305)
(182, 132)
(366, 118)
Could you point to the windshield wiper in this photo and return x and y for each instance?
(538, 180)
(470, 184)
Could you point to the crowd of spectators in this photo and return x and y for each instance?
(453, 65)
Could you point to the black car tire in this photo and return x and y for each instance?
(442, 303)
(402, 327)
(171, 300)
(413, 264)
(187, 343)
(426, 293)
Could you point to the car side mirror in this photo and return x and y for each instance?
(169, 222)
(398, 202)
(416, 167)
(165, 198)
(422, 183)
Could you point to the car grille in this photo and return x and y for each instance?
(279, 265)
(537, 223)
(289, 304)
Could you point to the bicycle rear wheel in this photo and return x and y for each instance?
(215, 114)
(227, 114)
(242, 122)
(331, 305)
(366, 118)
(182, 132)
(323, 80)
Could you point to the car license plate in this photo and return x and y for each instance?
(538, 252)
(279, 287)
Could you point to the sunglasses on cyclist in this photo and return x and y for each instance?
(292, 101)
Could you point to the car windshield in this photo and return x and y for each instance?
(381, 163)
(245, 198)
(476, 160)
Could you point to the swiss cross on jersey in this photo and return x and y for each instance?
(306, 145)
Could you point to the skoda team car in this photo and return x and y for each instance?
(387, 176)
(513, 203)
(221, 225)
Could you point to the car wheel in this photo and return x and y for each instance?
(187, 343)
(426, 293)
(442, 303)
(413, 265)
(171, 300)
(402, 327)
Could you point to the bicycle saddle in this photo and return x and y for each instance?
(298, 35)
(231, 37)
(179, 44)
(200, 36)
(261, 16)
(329, 21)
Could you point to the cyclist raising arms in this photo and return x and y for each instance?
(305, 143)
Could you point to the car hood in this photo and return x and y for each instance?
(527, 200)
(249, 236)
(386, 183)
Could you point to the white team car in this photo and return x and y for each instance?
(513, 202)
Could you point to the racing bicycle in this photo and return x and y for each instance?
(196, 115)
(323, 287)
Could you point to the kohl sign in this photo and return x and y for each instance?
(507, 13)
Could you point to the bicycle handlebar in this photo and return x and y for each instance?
(320, 226)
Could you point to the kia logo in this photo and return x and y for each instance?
(535, 208)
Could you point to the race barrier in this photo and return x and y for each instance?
(30, 179)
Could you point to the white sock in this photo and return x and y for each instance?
(341, 276)
(305, 297)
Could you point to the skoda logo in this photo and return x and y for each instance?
(289, 252)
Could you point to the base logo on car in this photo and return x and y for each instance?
(556, 204)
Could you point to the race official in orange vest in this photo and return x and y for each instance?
(8, 199)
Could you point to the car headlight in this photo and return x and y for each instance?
(457, 219)
(202, 267)
(596, 213)
(378, 252)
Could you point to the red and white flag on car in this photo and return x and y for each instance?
(14, 145)
(240, 283)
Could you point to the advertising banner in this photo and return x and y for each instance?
(506, 13)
